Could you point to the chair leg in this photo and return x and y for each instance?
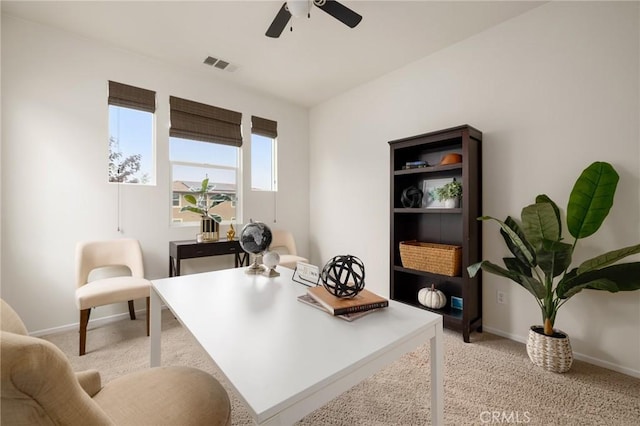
(148, 312)
(84, 321)
(132, 311)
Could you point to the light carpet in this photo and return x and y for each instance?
(488, 381)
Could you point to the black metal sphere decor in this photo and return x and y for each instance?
(411, 197)
(343, 276)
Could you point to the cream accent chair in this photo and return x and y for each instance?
(93, 255)
(40, 388)
(284, 244)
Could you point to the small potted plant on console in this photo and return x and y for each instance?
(209, 222)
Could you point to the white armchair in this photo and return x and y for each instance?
(40, 388)
(92, 255)
(284, 244)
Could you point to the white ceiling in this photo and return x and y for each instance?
(320, 59)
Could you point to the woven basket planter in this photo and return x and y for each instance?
(553, 353)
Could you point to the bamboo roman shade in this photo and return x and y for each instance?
(262, 126)
(127, 96)
(193, 120)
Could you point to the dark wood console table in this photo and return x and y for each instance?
(190, 249)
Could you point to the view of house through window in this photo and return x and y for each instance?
(130, 145)
(263, 163)
(191, 162)
(204, 143)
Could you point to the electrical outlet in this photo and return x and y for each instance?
(501, 297)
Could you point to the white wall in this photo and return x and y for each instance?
(552, 90)
(54, 162)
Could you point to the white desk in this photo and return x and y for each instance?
(286, 359)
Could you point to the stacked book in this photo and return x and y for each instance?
(415, 164)
(344, 308)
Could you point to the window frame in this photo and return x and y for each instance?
(238, 194)
(274, 163)
(152, 160)
(128, 97)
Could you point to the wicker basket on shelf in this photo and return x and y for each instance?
(440, 259)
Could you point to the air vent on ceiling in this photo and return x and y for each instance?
(220, 64)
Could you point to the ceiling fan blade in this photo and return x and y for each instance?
(279, 22)
(341, 12)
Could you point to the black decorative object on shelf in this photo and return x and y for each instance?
(343, 276)
(411, 197)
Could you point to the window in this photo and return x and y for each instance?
(263, 154)
(191, 162)
(204, 143)
(131, 111)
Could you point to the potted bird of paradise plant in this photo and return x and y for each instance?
(541, 259)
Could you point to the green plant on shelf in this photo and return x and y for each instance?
(451, 190)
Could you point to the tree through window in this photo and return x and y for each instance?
(131, 111)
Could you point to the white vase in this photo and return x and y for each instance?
(451, 203)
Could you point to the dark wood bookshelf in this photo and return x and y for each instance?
(456, 226)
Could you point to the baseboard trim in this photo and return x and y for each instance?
(97, 322)
(582, 357)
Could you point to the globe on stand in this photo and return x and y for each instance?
(255, 238)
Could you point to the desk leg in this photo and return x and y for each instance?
(156, 328)
(437, 376)
(174, 266)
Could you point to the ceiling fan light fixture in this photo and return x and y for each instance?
(299, 8)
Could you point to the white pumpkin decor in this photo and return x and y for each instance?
(432, 298)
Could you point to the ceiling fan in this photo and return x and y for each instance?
(299, 8)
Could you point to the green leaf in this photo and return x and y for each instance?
(217, 199)
(190, 199)
(626, 277)
(493, 269)
(534, 286)
(205, 186)
(591, 199)
(598, 284)
(531, 284)
(607, 258)
(473, 269)
(193, 210)
(539, 222)
(515, 265)
(215, 217)
(519, 242)
(543, 198)
(511, 223)
(554, 257)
